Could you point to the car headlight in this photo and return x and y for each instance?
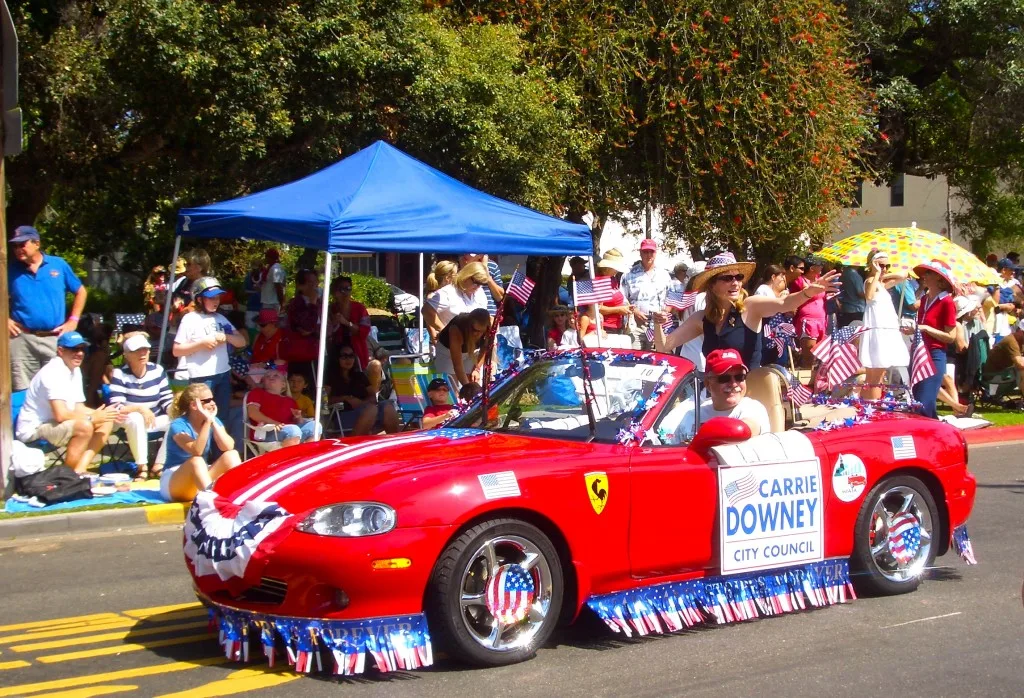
(350, 520)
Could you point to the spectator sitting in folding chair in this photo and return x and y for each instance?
(141, 394)
(274, 415)
(55, 409)
(440, 408)
(355, 395)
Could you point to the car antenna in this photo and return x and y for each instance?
(588, 386)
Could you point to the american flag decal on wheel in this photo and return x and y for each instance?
(510, 593)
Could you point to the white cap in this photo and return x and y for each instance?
(136, 342)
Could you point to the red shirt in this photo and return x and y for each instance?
(940, 314)
(556, 334)
(277, 407)
(614, 322)
(265, 348)
(354, 337)
(436, 410)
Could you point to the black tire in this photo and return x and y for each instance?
(461, 567)
(879, 574)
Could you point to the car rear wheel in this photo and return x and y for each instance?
(895, 532)
(496, 593)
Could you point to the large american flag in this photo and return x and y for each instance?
(921, 365)
(838, 355)
(520, 287)
(510, 593)
(590, 291)
(904, 537)
(680, 301)
(740, 489)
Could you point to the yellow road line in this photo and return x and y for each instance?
(157, 610)
(88, 692)
(77, 620)
(242, 681)
(120, 649)
(105, 637)
(17, 664)
(176, 615)
(28, 637)
(110, 676)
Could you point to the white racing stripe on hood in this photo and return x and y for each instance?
(349, 454)
(267, 481)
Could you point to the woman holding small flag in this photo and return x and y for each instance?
(614, 311)
(936, 323)
(732, 320)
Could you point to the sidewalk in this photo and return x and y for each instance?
(72, 522)
(993, 436)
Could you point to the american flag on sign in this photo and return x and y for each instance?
(680, 300)
(799, 393)
(903, 447)
(590, 291)
(738, 490)
(520, 287)
(921, 365)
(510, 593)
(666, 326)
(904, 537)
(838, 355)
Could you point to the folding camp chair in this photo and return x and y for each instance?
(249, 443)
(17, 402)
(411, 378)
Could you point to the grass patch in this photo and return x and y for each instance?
(999, 416)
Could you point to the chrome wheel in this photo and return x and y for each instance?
(493, 621)
(900, 530)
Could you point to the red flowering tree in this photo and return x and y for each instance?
(742, 120)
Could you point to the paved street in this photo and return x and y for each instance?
(113, 614)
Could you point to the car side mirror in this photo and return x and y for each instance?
(719, 431)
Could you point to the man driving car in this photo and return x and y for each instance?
(725, 378)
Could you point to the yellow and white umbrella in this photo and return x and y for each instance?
(908, 247)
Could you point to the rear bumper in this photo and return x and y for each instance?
(960, 498)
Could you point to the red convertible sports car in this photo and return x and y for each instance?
(573, 487)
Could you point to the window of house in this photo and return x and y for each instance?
(358, 264)
(896, 191)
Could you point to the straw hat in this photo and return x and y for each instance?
(614, 260)
(722, 264)
(940, 268)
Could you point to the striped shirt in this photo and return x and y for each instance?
(495, 273)
(152, 390)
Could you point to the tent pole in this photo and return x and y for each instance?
(167, 300)
(324, 302)
(419, 340)
(597, 309)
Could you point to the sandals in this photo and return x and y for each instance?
(156, 471)
(142, 475)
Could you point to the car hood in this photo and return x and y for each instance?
(391, 468)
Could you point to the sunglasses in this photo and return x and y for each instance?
(884, 266)
(207, 401)
(346, 356)
(729, 277)
(727, 378)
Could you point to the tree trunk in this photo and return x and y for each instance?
(30, 192)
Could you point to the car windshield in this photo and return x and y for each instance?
(546, 398)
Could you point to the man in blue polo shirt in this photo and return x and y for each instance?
(38, 285)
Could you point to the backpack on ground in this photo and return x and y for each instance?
(55, 484)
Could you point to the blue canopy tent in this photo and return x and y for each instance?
(381, 200)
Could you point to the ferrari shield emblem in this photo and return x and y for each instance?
(597, 490)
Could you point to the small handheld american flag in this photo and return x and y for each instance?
(680, 301)
(520, 287)
(921, 365)
(590, 291)
(838, 354)
(666, 327)
(799, 393)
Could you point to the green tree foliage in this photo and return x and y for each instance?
(950, 88)
(741, 120)
(137, 107)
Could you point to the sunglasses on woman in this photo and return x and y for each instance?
(884, 266)
(727, 378)
(207, 401)
(729, 277)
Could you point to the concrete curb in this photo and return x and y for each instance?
(76, 522)
(994, 435)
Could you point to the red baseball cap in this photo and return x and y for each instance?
(721, 360)
(648, 244)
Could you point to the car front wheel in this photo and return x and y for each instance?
(895, 532)
(496, 593)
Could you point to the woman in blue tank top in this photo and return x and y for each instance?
(732, 320)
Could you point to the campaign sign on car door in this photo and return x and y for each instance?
(771, 515)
